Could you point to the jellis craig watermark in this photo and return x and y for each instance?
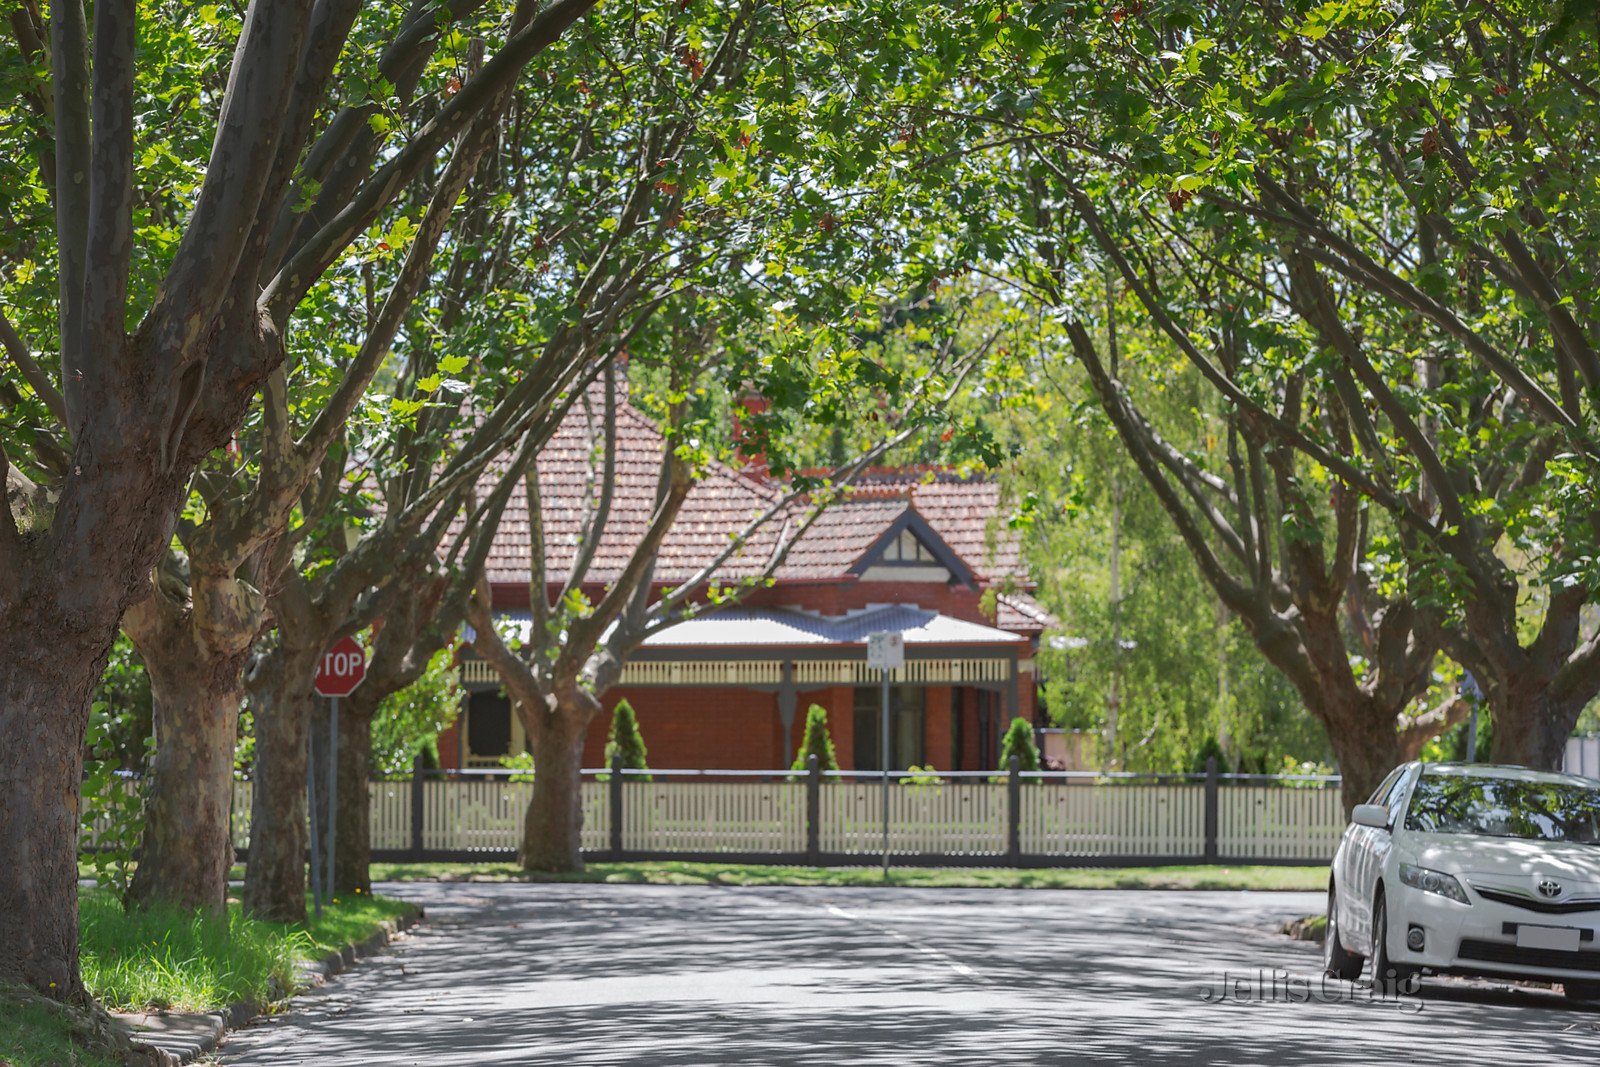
(1280, 987)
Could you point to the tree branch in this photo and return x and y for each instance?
(243, 154)
(69, 51)
(32, 373)
(110, 230)
(311, 260)
(594, 525)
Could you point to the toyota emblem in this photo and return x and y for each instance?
(1549, 888)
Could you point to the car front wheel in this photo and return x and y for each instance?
(1337, 961)
(1387, 975)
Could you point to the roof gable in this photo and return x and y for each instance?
(911, 542)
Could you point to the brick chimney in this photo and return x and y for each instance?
(752, 460)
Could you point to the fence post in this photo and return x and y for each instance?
(417, 807)
(1211, 809)
(813, 809)
(616, 805)
(1014, 812)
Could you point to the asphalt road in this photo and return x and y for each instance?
(602, 974)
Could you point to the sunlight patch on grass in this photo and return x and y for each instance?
(162, 957)
(35, 1032)
(671, 872)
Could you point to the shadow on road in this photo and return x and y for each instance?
(598, 974)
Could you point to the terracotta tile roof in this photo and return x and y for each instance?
(1021, 614)
(840, 536)
(962, 510)
(722, 503)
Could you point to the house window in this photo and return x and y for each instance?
(907, 727)
(488, 725)
(907, 549)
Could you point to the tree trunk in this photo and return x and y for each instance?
(44, 706)
(187, 846)
(1531, 725)
(281, 698)
(194, 652)
(1536, 690)
(353, 847)
(552, 831)
(1365, 743)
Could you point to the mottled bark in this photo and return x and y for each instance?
(281, 699)
(552, 832)
(67, 574)
(353, 842)
(141, 410)
(1365, 742)
(1536, 689)
(1532, 720)
(195, 654)
(186, 849)
(44, 701)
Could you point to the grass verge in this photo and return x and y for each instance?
(163, 957)
(682, 873)
(1309, 928)
(37, 1032)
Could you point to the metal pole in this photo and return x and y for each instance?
(311, 821)
(1472, 735)
(333, 787)
(883, 753)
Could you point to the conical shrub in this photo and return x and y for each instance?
(816, 739)
(625, 738)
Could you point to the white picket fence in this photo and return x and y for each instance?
(951, 819)
(679, 816)
(1084, 819)
(1270, 822)
(964, 819)
(458, 815)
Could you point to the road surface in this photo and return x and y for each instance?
(615, 974)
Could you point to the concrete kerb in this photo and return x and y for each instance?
(172, 1038)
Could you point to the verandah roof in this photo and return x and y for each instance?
(765, 630)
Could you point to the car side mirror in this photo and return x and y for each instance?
(1373, 815)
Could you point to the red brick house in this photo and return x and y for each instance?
(912, 550)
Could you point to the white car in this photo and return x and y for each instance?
(1470, 869)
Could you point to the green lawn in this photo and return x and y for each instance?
(35, 1032)
(165, 958)
(677, 873)
(161, 957)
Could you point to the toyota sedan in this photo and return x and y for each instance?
(1470, 869)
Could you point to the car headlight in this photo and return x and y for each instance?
(1433, 882)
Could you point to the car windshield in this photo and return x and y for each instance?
(1504, 807)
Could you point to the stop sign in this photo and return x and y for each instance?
(343, 667)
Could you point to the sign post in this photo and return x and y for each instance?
(1471, 690)
(886, 652)
(342, 669)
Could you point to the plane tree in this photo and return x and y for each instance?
(187, 180)
(1364, 233)
(201, 618)
(645, 194)
(595, 596)
(1421, 186)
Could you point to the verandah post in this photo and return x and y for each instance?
(1211, 809)
(418, 806)
(813, 809)
(1014, 811)
(616, 805)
